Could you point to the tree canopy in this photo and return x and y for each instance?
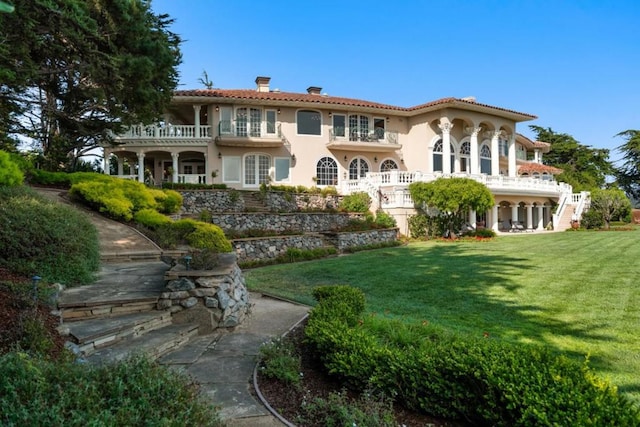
(73, 71)
(584, 167)
(628, 175)
(609, 204)
(451, 198)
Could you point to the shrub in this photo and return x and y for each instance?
(51, 240)
(209, 236)
(151, 218)
(135, 392)
(356, 202)
(384, 220)
(110, 201)
(280, 361)
(55, 179)
(339, 410)
(10, 173)
(168, 201)
(592, 219)
(483, 381)
(484, 232)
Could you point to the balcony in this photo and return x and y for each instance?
(394, 185)
(165, 134)
(258, 134)
(376, 140)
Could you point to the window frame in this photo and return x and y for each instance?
(319, 115)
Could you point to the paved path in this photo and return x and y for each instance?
(221, 362)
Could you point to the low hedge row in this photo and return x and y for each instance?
(482, 381)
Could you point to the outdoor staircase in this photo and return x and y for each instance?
(564, 223)
(253, 202)
(117, 317)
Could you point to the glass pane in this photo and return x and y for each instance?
(256, 115)
(282, 165)
(339, 125)
(225, 121)
(327, 171)
(241, 122)
(250, 170)
(231, 169)
(271, 121)
(353, 127)
(264, 162)
(437, 162)
(378, 128)
(309, 122)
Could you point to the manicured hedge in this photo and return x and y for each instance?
(10, 173)
(483, 381)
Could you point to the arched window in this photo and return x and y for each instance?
(388, 165)
(437, 156)
(485, 159)
(358, 168)
(465, 157)
(309, 122)
(327, 171)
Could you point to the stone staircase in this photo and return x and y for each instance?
(117, 316)
(253, 202)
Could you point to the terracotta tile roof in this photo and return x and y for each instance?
(252, 94)
(530, 168)
(538, 144)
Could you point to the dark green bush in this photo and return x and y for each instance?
(51, 240)
(151, 218)
(484, 381)
(592, 219)
(484, 232)
(356, 202)
(55, 179)
(136, 392)
(10, 173)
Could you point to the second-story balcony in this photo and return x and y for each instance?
(376, 140)
(165, 134)
(238, 133)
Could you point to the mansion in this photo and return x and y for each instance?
(245, 137)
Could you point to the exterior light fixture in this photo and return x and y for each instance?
(375, 159)
(187, 261)
(293, 157)
(330, 114)
(278, 111)
(219, 155)
(345, 158)
(217, 108)
(35, 280)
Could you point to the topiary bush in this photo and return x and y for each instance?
(480, 380)
(10, 173)
(47, 239)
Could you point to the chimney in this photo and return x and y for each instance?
(262, 84)
(314, 90)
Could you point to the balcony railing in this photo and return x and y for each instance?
(357, 134)
(258, 129)
(393, 185)
(166, 132)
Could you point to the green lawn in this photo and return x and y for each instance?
(575, 292)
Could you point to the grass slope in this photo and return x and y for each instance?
(574, 292)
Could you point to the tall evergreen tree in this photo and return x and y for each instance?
(585, 168)
(628, 174)
(79, 70)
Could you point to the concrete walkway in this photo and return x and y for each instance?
(222, 362)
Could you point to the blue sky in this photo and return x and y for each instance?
(574, 64)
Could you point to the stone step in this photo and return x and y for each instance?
(91, 335)
(107, 309)
(130, 256)
(153, 344)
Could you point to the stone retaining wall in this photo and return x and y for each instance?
(346, 240)
(213, 299)
(298, 222)
(219, 201)
(272, 247)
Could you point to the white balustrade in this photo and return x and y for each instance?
(192, 179)
(167, 132)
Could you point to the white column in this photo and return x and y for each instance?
(196, 120)
(540, 217)
(514, 214)
(475, 153)
(494, 218)
(529, 216)
(140, 167)
(446, 146)
(536, 156)
(512, 156)
(206, 170)
(472, 218)
(174, 165)
(495, 153)
(120, 166)
(105, 163)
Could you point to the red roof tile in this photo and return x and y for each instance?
(252, 94)
(530, 168)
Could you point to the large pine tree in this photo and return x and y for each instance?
(73, 71)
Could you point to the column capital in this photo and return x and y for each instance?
(140, 155)
(473, 131)
(445, 126)
(493, 134)
(175, 155)
(197, 107)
